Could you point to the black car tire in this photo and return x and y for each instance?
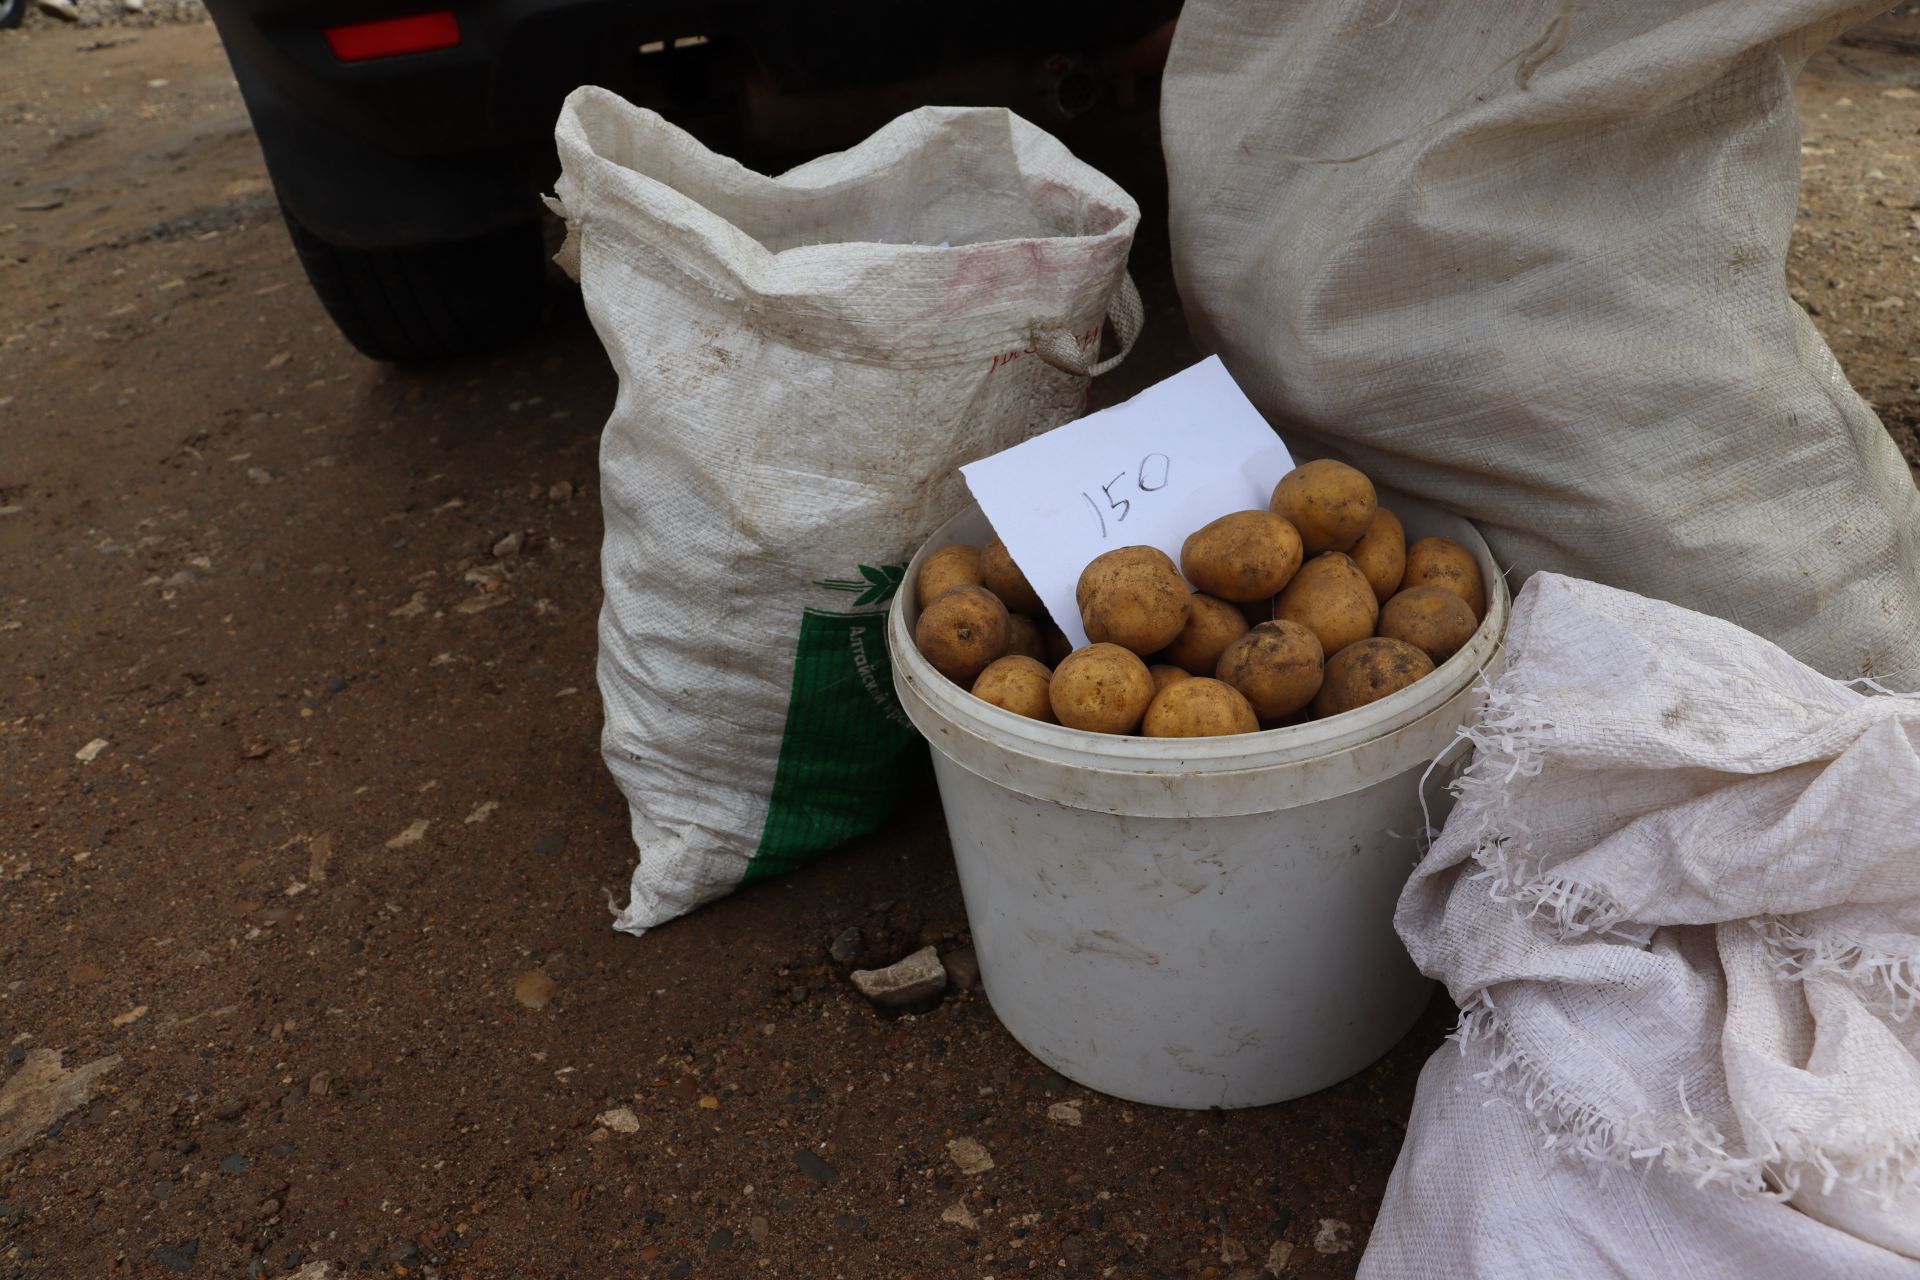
(430, 302)
(11, 11)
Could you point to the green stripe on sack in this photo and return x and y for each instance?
(848, 750)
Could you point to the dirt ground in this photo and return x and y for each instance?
(299, 780)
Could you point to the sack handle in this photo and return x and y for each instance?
(1127, 315)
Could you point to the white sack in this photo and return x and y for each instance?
(803, 367)
(1526, 259)
(1679, 902)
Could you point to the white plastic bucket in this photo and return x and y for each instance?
(1194, 922)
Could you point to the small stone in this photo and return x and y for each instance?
(180, 580)
(320, 1084)
(1065, 1113)
(620, 1120)
(969, 1156)
(845, 949)
(1333, 1236)
(958, 1215)
(534, 989)
(178, 1258)
(918, 977)
(259, 475)
(709, 1103)
(1278, 1257)
(268, 1208)
(230, 1109)
(720, 1241)
(561, 491)
(405, 1251)
(963, 968)
(319, 858)
(131, 1016)
(757, 1228)
(416, 832)
(88, 753)
(234, 1164)
(1231, 1250)
(481, 812)
(814, 1167)
(86, 973)
(509, 547)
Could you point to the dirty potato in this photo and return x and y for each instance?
(1242, 557)
(1102, 688)
(1328, 502)
(1275, 666)
(1368, 671)
(945, 569)
(1164, 674)
(1442, 562)
(1431, 619)
(1212, 625)
(961, 632)
(1331, 598)
(1199, 708)
(1000, 575)
(1024, 637)
(1142, 605)
(1381, 553)
(1019, 685)
(1102, 567)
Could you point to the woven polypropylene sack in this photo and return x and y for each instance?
(1678, 900)
(1526, 259)
(804, 361)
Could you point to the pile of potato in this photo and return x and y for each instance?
(1312, 607)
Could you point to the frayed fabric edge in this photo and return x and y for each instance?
(1890, 978)
(1683, 1142)
(1508, 739)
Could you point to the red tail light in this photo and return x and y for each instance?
(389, 37)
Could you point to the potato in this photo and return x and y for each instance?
(1245, 556)
(1141, 604)
(1442, 562)
(1025, 638)
(1275, 666)
(1331, 598)
(1381, 553)
(1102, 567)
(1368, 671)
(1199, 708)
(1102, 688)
(1166, 673)
(1431, 619)
(945, 569)
(1328, 502)
(1000, 575)
(963, 631)
(1212, 625)
(1019, 685)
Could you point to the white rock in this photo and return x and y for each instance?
(416, 832)
(920, 976)
(620, 1120)
(1333, 1236)
(957, 1214)
(1065, 1113)
(969, 1156)
(1278, 1257)
(86, 754)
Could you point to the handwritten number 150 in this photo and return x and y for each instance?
(1150, 477)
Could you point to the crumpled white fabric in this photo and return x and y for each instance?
(1678, 902)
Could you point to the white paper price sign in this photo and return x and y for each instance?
(1145, 473)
